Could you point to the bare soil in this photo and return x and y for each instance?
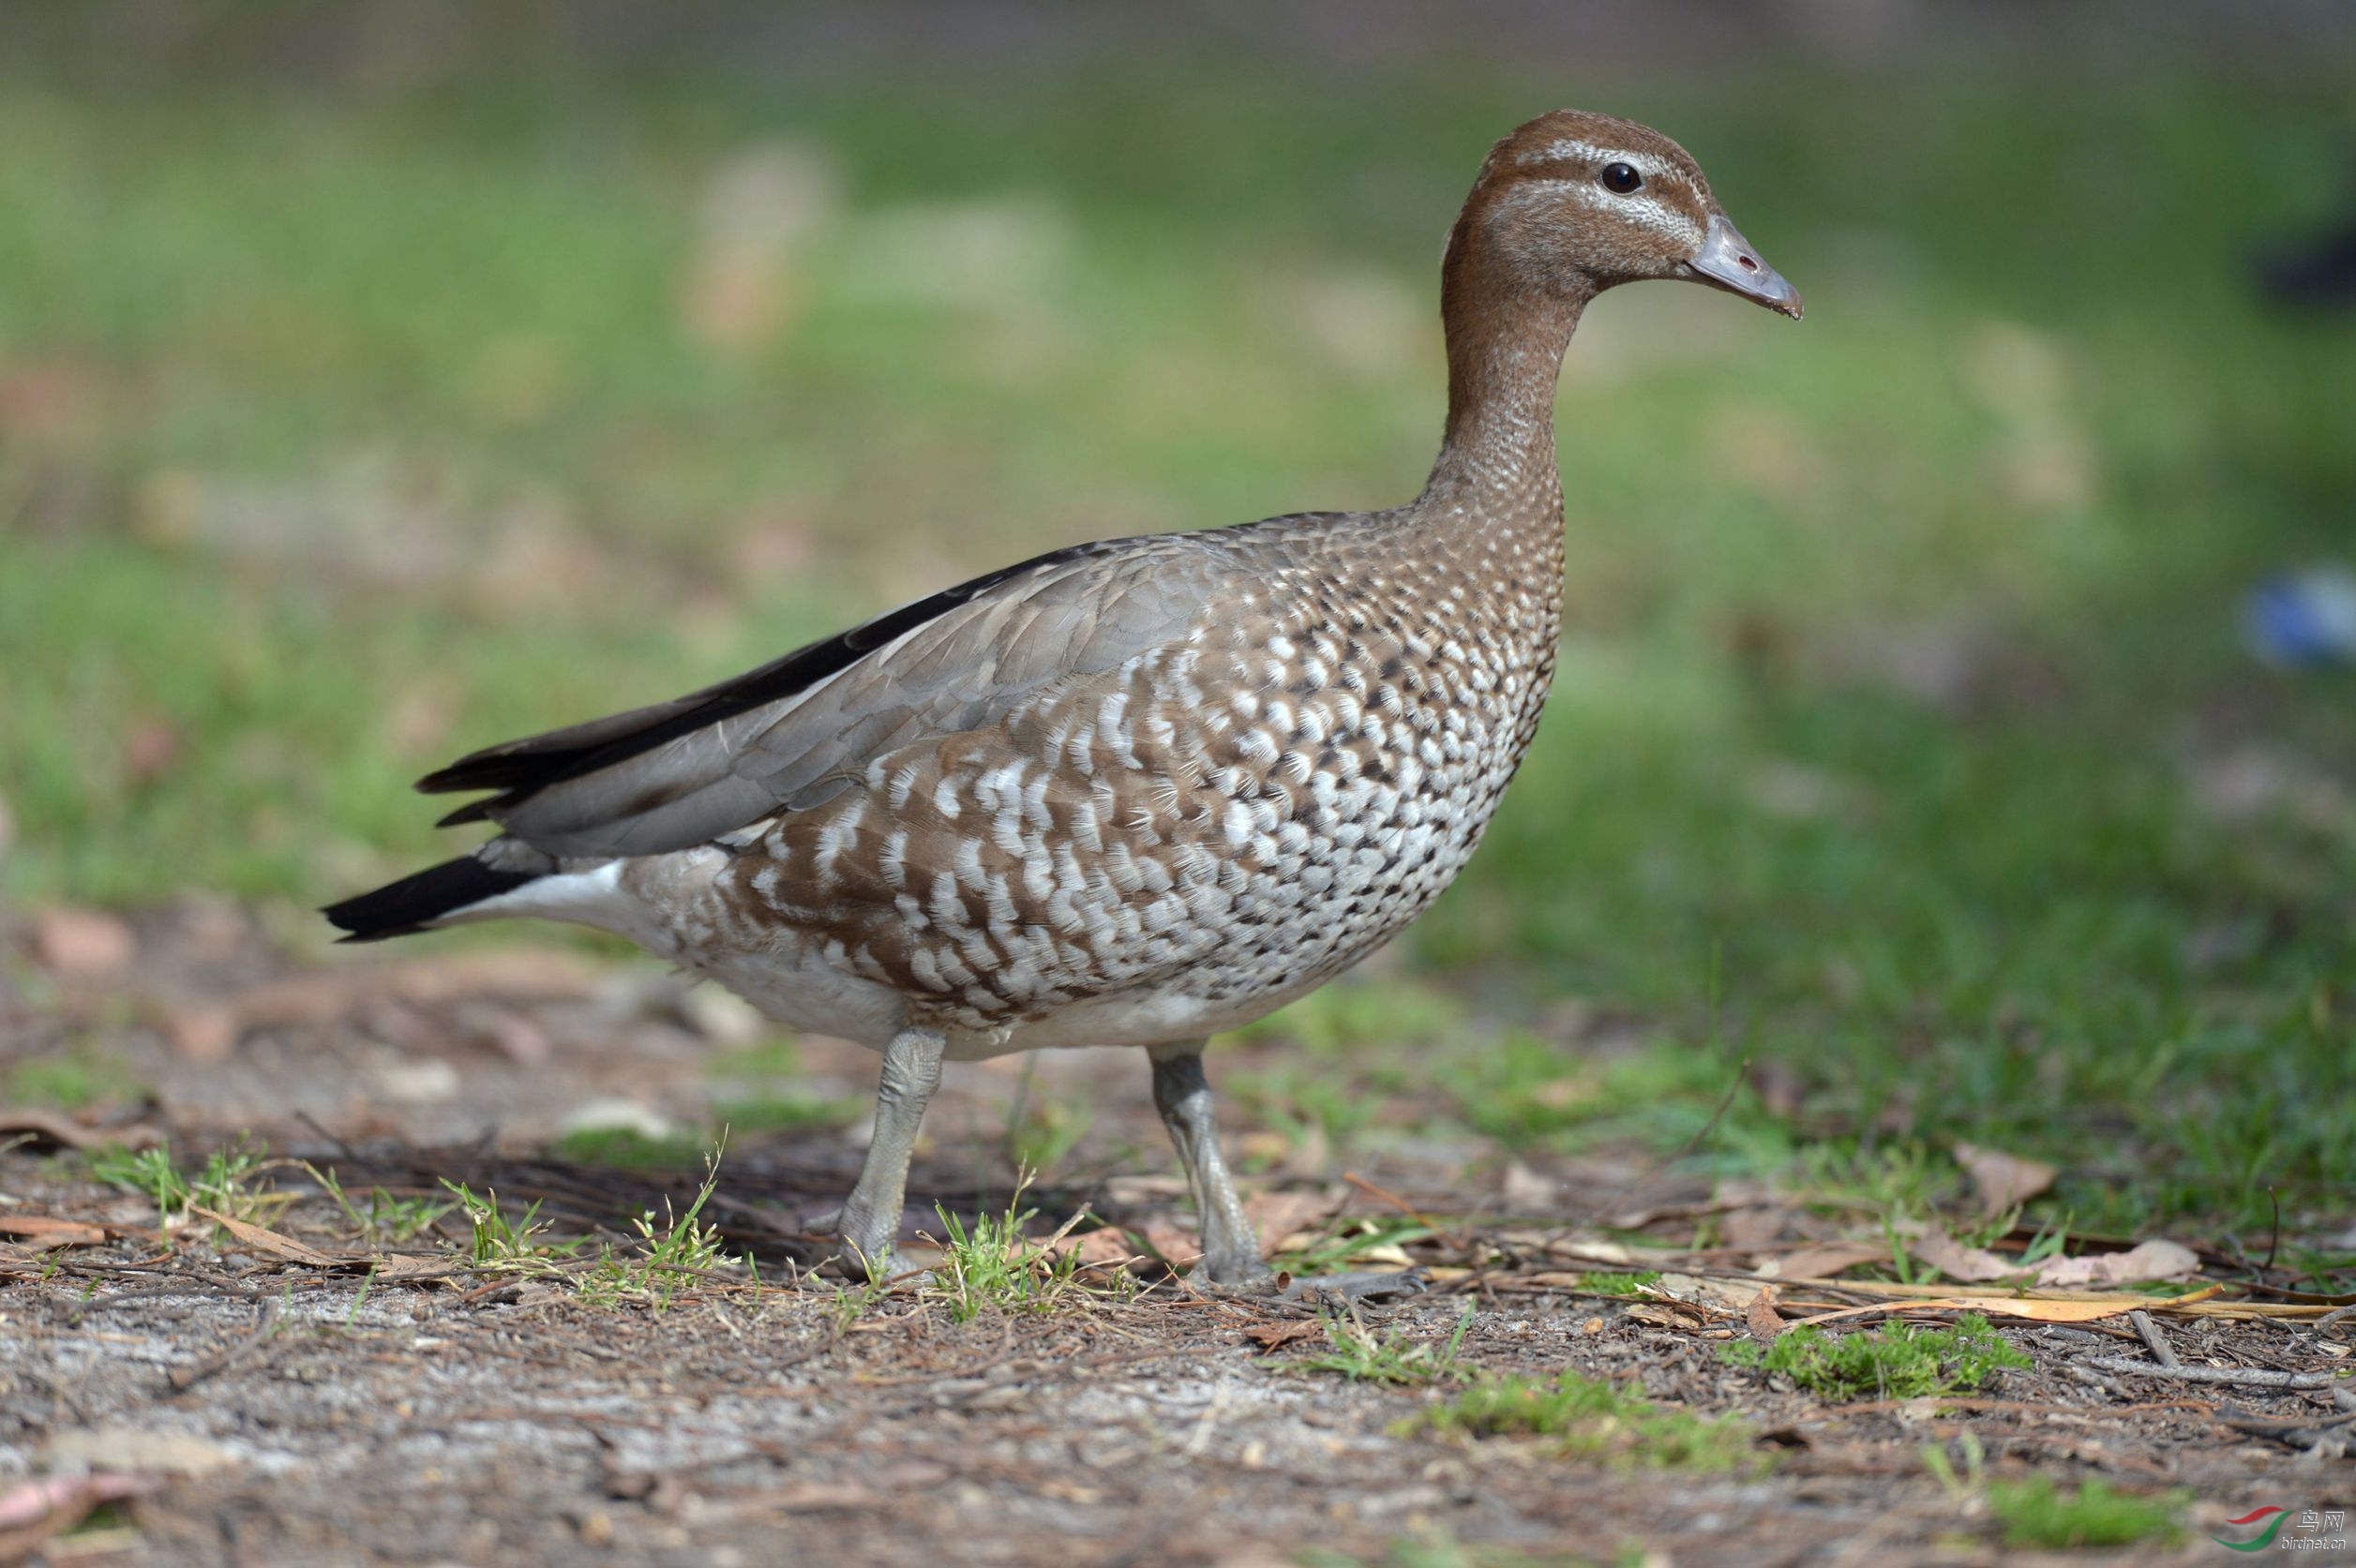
(259, 1409)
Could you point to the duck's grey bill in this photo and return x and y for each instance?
(1726, 260)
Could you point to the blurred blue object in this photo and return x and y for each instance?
(2304, 619)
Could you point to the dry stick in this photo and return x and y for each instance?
(2317, 1440)
(2096, 1381)
(313, 1122)
(2245, 1377)
(2161, 1351)
(2015, 1407)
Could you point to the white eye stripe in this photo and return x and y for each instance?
(1643, 211)
(1588, 152)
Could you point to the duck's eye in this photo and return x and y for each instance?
(1621, 179)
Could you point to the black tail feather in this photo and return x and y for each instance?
(403, 908)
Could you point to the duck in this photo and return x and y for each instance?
(1130, 793)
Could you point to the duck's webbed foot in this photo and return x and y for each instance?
(1347, 1290)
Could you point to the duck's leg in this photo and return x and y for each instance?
(1231, 1249)
(871, 1219)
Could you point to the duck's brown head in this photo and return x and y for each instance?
(1573, 203)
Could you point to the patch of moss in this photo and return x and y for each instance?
(67, 1083)
(2036, 1513)
(1589, 1418)
(626, 1148)
(1894, 1362)
(785, 1113)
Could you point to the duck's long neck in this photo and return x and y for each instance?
(1504, 351)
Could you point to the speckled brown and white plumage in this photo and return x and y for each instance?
(1224, 820)
(1136, 792)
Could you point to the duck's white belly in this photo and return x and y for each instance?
(795, 985)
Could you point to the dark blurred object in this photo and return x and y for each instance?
(2317, 273)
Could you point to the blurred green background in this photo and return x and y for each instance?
(379, 381)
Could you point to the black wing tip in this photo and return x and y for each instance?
(411, 905)
(483, 770)
(516, 770)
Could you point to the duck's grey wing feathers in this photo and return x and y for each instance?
(796, 730)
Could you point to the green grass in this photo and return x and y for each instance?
(1590, 1418)
(628, 1149)
(381, 1219)
(499, 1243)
(348, 435)
(992, 1266)
(670, 1257)
(232, 1181)
(2037, 1512)
(69, 1083)
(1891, 1363)
(674, 1253)
(1360, 1354)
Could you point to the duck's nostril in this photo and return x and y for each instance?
(1748, 264)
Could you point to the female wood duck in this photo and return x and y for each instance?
(1129, 792)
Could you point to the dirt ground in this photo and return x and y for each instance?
(292, 1396)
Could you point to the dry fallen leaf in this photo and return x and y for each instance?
(1546, 1243)
(1672, 1314)
(40, 1231)
(1277, 1215)
(405, 1265)
(1174, 1245)
(2003, 1181)
(1718, 1295)
(205, 1033)
(269, 1243)
(2151, 1260)
(31, 1512)
(1969, 1265)
(151, 746)
(1765, 1322)
(82, 943)
(1525, 1192)
(1997, 1307)
(1269, 1336)
(67, 1133)
(1108, 1247)
(1821, 1260)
